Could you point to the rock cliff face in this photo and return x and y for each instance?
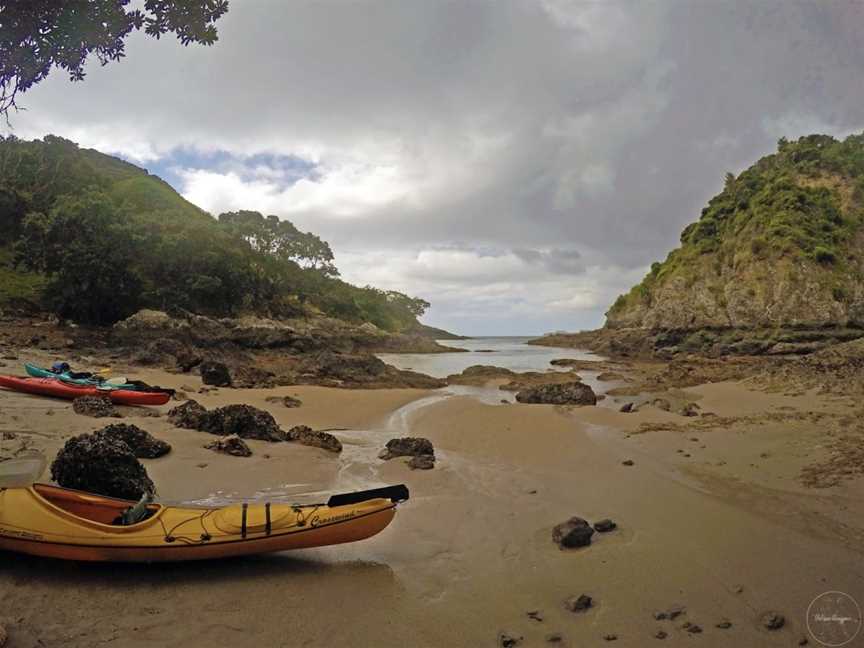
(782, 246)
(301, 335)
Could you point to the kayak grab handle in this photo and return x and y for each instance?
(393, 493)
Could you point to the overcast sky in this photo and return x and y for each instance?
(518, 164)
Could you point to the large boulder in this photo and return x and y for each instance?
(570, 393)
(215, 373)
(307, 436)
(142, 444)
(245, 421)
(407, 447)
(95, 406)
(103, 464)
(189, 415)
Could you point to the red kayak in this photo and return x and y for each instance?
(58, 389)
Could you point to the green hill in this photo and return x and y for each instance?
(94, 239)
(779, 247)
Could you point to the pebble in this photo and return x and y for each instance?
(627, 462)
(738, 589)
(694, 629)
(507, 641)
(605, 525)
(535, 615)
(579, 603)
(554, 637)
(773, 620)
(661, 634)
(610, 637)
(803, 641)
(675, 611)
(724, 625)
(201, 465)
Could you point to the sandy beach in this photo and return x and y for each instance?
(714, 519)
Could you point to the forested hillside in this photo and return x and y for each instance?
(781, 246)
(93, 239)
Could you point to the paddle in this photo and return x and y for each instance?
(393, 493)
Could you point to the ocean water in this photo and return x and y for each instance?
(509, 352)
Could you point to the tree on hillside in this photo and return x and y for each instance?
(84, 249)
(36, 35)
(281, 239)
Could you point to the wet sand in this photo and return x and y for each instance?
(726, 532)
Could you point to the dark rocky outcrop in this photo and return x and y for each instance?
(573, 533)
(407, 447)
(143, 444)
(479, 375)
(307, 436)
(190, 415)
(245, 421)
(103, 464)
(95, 406)
(572, 393)
(232, 445)
(215, 373)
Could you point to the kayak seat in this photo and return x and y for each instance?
(88, 506)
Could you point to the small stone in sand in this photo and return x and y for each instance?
(534, 615)
(803, 641)
(231, 445)
(660, 616)
(554, 637)
(686, 454)
(579, 603)
(508, 641)
(660, 634)
(627, 462)
(605, 526)
(575, 532)
(694, 629)
(738, 589)
(773, 620)
(724, 624)
(610, 637)
(201, 465)
(675, 611)
(626, 407)
(533, 491)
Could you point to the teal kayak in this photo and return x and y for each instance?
(114, 383)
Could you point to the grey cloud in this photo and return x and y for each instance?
(610, 124)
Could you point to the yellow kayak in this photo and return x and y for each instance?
(56, 522)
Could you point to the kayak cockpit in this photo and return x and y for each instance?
(89, 507)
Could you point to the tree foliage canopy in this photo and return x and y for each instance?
(37, 35)
(109, 239)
